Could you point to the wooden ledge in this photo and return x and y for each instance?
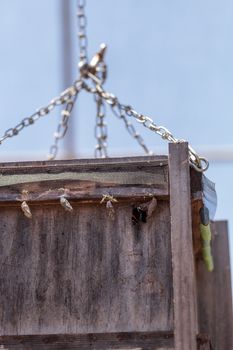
(88, 179)
(137, 177)
(102, 341)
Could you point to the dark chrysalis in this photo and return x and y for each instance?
(138, 215)
(144, 211)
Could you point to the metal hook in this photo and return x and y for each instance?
(96, 69)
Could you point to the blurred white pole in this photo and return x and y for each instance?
(69, 150)
(215, 154)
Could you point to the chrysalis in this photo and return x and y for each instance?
(110, 209)
(144, 211)
(26, 210)
(66, 204)
(109, 204)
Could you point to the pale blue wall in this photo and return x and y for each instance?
(29, 67)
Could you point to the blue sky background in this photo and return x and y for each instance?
(170, 59)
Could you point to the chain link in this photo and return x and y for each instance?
(68, 97)
(62, 128)
(96, 71)
(82, 36)
(43, 111)
(199, 163)
(121, 114)
(63, 124)
(101, 131)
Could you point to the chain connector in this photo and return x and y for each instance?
(99, 56)
(96, 69)
(201, 166)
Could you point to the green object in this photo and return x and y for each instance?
(206, 247)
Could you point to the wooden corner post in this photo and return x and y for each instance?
(215, 293)
(184, 286)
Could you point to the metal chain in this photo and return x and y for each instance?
(199, 163)
(120, 113)
(101, 147)
(62, 126)
(43, 111)
(82, 23)
(119, 109)
(101, 132)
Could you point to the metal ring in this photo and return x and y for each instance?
(200, 168)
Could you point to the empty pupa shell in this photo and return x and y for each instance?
(26, 210)
(66, 204)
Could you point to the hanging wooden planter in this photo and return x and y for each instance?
(100, 256)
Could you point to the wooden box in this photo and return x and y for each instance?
(95, 278)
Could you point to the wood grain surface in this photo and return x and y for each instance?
(84, 179)
(82, 272)
(98, 341)
(215, 293)
(185, 313)
(82, 280)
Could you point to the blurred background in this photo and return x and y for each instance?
(171, 60)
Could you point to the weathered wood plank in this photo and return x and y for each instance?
(197, 244)
(99, 341)
(214, 291)
(82, 272)
(196, 185)
(79, 191)
(203, 342)
(144, 177)
(82, 165)
(46, 181)
(185, 317)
